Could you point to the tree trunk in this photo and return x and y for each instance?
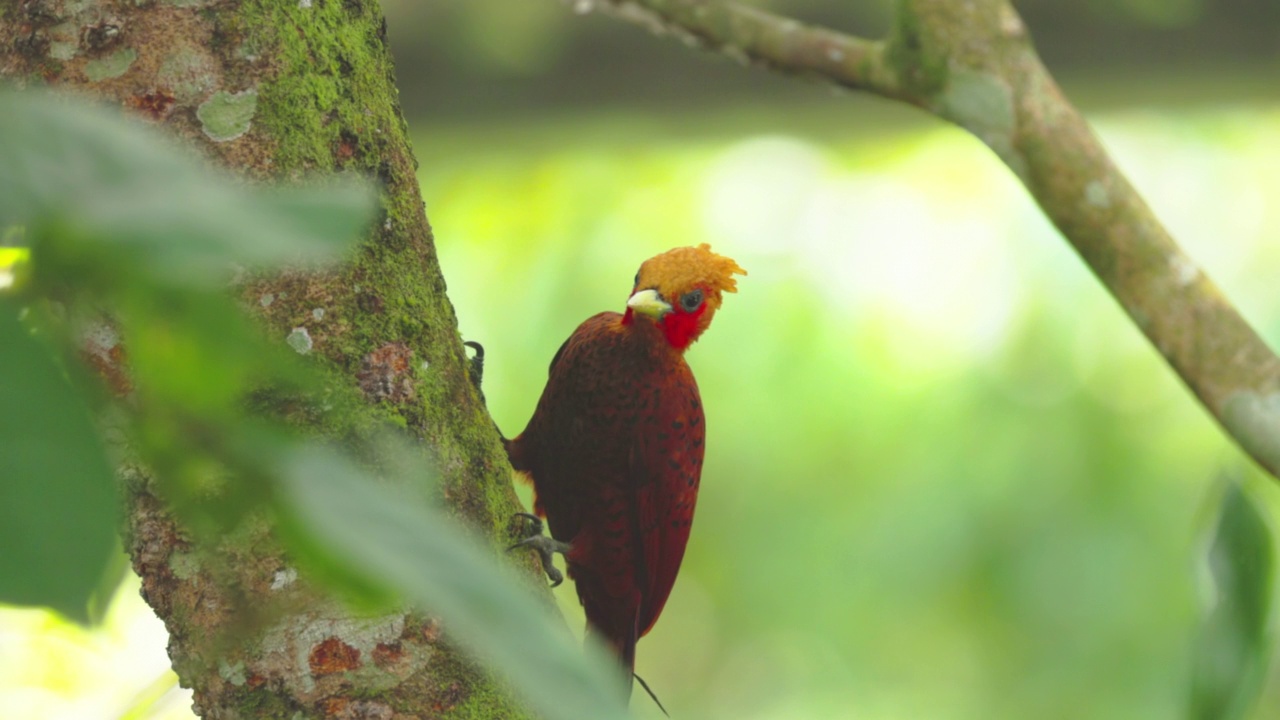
(281, 90)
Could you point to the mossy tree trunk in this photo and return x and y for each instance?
(282, 90)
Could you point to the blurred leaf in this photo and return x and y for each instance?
(57, 495)
(116, 570)
(142, 227)
(96, 174)
(13, 262)
(143, 705)
(1233, 648)
(433, 562)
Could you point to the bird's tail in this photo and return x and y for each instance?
(614, 626)
(610, 624)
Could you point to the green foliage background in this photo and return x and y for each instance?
(946, 478)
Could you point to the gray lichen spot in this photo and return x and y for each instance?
(982, 103)
(318, 313)
(184, 566)
(304, 4)
(1095, 193)
(99, 338)
(299, 340)
(283, 578)
(189, 72)
(64, 41)
(1184, 269)
(226, 116)
(267, 299)
(233, 674)
(112, 66)
(1254, 421)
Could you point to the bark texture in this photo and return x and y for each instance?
(972, 63)
(280, 90)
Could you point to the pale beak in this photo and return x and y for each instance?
(649, 302)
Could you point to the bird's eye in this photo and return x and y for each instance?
(636, 282)
(691, 300)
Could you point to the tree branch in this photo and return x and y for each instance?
(972, 63)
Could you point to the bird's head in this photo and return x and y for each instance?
(680, 290)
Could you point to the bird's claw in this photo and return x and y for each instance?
(545, 546)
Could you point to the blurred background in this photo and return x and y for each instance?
(946, 477)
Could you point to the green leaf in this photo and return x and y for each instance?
(96, 174)
(57, 495)
(433, 562)
(1234, 646)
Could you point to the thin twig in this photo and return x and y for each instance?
(972, 63)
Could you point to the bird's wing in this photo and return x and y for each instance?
(666, 467)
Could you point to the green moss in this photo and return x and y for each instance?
(332, 78)
(922, 69)
(263, 704)
(483, 704)
(484, 699)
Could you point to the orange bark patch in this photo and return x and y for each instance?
(385, 373)
(385, 655)
(102, 351)
(332, 656)
(155, 104)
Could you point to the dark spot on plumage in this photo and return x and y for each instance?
(677, 425)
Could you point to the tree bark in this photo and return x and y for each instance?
(282, 90)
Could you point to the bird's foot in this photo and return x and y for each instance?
(545, 545)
